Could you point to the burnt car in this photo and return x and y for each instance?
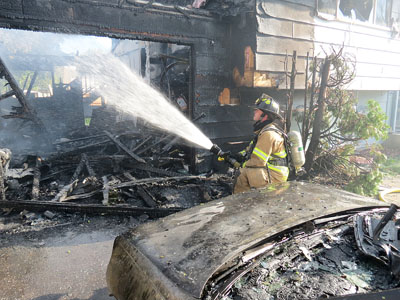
(294, 240)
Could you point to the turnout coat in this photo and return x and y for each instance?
(267, 162)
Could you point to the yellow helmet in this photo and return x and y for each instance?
(268, 105)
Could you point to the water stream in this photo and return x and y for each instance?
(128, 92)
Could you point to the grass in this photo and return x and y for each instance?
(391, 166)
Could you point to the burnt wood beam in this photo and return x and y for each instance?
(88, 208)
(78, 170)
(89, 168)
(147, 198)
(155, 170)
(36, 179)
(6, 74)
(27, 111)
(156, 23)
(31, 83)
(106, 190)
(2, 188)
(124, 148)
(7, 95)
(142, 143)
(155, 180)
(65, 191)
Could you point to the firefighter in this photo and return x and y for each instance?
(265, 158)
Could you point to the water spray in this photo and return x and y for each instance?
(128, 93)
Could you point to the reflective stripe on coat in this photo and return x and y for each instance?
(254, 173)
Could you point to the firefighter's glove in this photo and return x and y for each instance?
(239, 157)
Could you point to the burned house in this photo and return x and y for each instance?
(211, 59)
(231, 50)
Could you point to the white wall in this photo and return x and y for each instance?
(363, 97)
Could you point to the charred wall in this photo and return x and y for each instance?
(231, 122)
(204, 32)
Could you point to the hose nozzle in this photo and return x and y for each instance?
(215, 149)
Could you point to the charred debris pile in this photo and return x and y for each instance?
(133, 172)
(111, 166)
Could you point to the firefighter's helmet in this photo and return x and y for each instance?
(268, 105)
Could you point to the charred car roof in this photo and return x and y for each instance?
(174, 257)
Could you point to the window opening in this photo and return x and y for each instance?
(370, 11)
(356, 10)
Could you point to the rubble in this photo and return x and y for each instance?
(329, 261)
(101, 173)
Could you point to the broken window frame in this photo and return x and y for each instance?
(374, 22)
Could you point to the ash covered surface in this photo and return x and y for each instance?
(321, 264)
(60, 258)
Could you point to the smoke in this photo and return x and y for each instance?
(28, 42)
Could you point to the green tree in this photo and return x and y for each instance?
(334, 130)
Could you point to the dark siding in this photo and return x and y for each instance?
(208, 36)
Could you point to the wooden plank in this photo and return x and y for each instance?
(363, 28)
(88, 208)
(385, 64)
(7, 95)
(88, 166)
(145, 195)
(285, 28)
(377, 57)
(275, 63)
(275, 27)
(36, 179)
(81, 196)
(373, 83)
(106, 190)
(154, 180)
(300, 13)
(124, 148)
(278, 45)
(377, 71)
(78, 170)
(332, 32)
(2, 187)
(64, 192)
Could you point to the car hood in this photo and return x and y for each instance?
(181, 252)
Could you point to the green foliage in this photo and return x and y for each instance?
(355, 125)
(366, 182)
(343, 127)
(42, 82)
